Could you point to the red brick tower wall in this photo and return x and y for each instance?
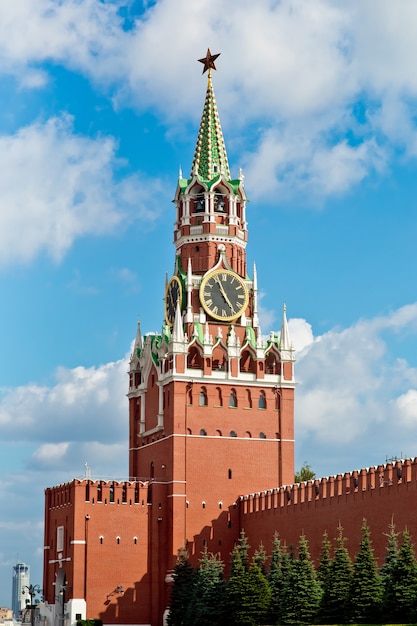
(105, 548)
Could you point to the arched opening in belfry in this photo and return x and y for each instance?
(247, 362)
(197, 199)
(219, 359)
(273, 363)
(194, 359)
(221, 200)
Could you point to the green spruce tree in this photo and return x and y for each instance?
(388, 572)
(247, 594)
(260, 558)
(404, 582)
(259, 594)
(206, 607)
(302, 593)
(335, 600)
(366, 591)
(324, 573)
(236, 585)
(182, 589)
(325, 563)
(276, 581)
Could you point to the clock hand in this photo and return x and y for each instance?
(224, 294)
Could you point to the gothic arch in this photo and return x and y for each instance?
(273, 362)
(219, 358)
(247, 362)
(194, 358)
(221, 199)
(197, 199)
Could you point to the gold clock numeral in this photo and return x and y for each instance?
(215, 310)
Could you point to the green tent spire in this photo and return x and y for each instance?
(210, 158)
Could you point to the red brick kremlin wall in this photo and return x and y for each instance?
(380, 494)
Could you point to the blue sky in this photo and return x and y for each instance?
(101, 102)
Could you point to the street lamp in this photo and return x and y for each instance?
(33, 590)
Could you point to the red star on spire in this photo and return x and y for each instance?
(208, 61)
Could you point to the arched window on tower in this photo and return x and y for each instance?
(233, 399)
(247, 362)
(272, 363)
(203, 397)
(219, 359)
(248, 399)
(238, 211)
(219, 201)
(262, 400)
(219, 400)
(194, 359)
(197, 199)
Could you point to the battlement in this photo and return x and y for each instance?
(366, 479)
(382, 494)
(96, 491)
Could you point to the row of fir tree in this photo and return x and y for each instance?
(291, 590)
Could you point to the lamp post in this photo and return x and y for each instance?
(33, 590)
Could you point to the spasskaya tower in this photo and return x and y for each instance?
(211, 399)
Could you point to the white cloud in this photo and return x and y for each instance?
(406, 407)
(295, 71)
(82, 34)
(69, 459)
(84, 405)
(49, 453)
(56, 186)
(301, 333)
(351, 394)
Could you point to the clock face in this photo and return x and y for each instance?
(223, 295)
(173, 294)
